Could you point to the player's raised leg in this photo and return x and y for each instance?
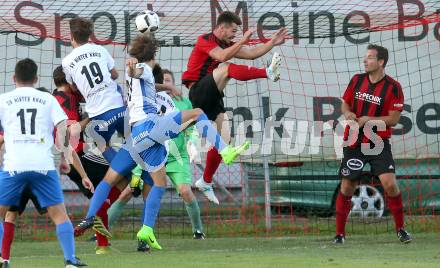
(208, 73)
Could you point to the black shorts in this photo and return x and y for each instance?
(205, 95)
(354, 161)
(25, 197)
(95, 171)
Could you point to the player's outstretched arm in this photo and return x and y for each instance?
(277, 39)
(226, 54)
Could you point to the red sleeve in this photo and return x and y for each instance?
(397, 99)
(205, 45)
(348, 96)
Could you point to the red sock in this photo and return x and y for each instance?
(101, 240)
(396, 207)
(343, 207)
(114, 194)
(8, 237)
(213, 160)
(245, 73)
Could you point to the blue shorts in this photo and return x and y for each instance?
(45, 186)
(106, 124)
(149, 136)
(123, 163)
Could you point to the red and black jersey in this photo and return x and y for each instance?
(200, 63)
(374, 99)
(70, 104)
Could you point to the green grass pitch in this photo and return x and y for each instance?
(305, 251)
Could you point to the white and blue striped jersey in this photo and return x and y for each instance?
(141, 95)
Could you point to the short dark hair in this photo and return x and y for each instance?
(144, 47)
(228, 17)
(81, 29)
(166, 71)
(382, 53)
(26, 70)
(59, 77)
(158, 74)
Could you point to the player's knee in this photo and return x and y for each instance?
(390, 188)
(11, 217)
(58, 214)
(348, 187)
(186, 193)
(125, 196)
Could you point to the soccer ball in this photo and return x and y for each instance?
(147, 21)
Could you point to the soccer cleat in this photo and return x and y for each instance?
(103, 250)
(78, 263)
(92, 222)
(146, 234)
(273, 70)
(339, 239)
(143, 247)
(198, 235)
(229, 153)
(404, 236)
(206, 189)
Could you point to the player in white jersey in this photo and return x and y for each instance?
(149, 133)
(90, 69)
(29, 117)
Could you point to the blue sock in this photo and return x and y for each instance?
(1, 235)
(205, 128)
(152, 205)
(109, 154)
(67, 242)
(99, 197)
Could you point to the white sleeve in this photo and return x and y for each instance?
(58, 114)
(109, 59)
(67, 73)
(147, 75)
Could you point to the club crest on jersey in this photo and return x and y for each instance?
(368, 97)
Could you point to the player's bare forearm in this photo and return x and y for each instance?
(226, 54)
(390, 120)
(76, 162)
(345, 107)
(346, 111)
(161, 87)
(254, 53)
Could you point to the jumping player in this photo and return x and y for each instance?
(208, 73)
